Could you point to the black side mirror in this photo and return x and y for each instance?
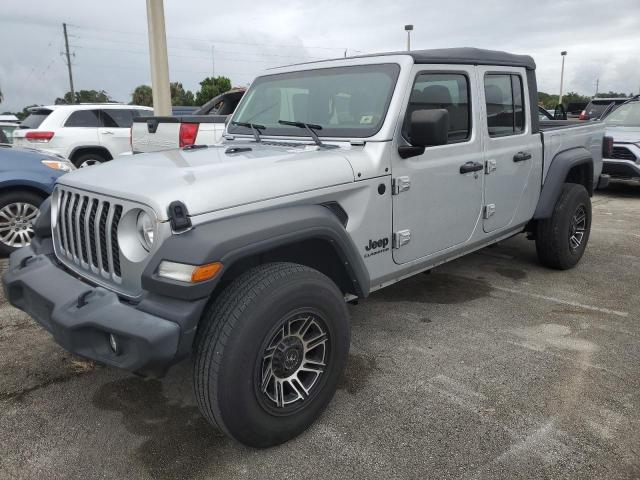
(559, 113)
(427, 128)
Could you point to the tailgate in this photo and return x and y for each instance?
(152, 134)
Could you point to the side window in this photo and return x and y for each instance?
(505, 104)
(83, 118)
(443, 90)
(116, 118)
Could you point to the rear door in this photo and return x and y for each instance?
(512, 153)
(436, 206)
(115, 127)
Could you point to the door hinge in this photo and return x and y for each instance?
(489, 210)
(400, 184)
(490, 166)
(401, 238)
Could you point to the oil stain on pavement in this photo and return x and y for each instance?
(359, 369)
(441, 288)
(179, 442)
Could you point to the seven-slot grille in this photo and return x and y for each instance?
(87, 232)
(623, 153)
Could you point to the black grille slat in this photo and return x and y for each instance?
(74, 232)
(115, 250)
(83, 235)
(102, 230)
(623, 153)
(92, 232)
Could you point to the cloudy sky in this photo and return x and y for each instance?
(109, 43)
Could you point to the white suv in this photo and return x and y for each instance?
(86, 134)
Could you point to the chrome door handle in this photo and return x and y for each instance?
(521, 156)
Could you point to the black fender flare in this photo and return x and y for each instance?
(231, 239)
(562, 163)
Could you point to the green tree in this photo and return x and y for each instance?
(611, 94)
(84, 96)
(142, 95)
(1, 96)
(179, 96)
(211, 87)
(547, 100)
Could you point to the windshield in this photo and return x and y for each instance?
(344, 101)
(625, 116)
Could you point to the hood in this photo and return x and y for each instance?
(212, 178)
(624, 134)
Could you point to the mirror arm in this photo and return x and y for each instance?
(408, 151)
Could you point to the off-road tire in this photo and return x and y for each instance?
(229, 348)
(553, 234)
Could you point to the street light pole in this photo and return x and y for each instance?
(408, 29)
(159, 59)
(563, 54)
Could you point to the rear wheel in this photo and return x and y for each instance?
(88, 160)
(562, 239)
(18, 213)
(270, 353)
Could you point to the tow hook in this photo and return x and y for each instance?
(82, 299)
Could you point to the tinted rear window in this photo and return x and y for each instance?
(34, 120)
(116, 118)
(83, 118)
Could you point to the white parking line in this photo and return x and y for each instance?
(562, 302)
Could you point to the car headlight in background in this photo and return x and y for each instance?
(62, 165)
(146, 230)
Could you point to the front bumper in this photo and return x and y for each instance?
(147, 342)
(624, 169)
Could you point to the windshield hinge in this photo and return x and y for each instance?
(400, 184)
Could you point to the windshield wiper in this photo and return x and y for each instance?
(255, 129)
(311, 127)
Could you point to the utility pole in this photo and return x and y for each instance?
(563, 54)
(597, 85)
(213, 64)
(408, 29)
(66, 47)
(159, 59)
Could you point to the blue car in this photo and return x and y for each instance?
(26, 178)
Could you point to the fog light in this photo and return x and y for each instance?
(113, 343)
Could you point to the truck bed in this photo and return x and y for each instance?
(152, 134)
(561, 135)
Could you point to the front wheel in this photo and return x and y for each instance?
(270, 353)
(561, 240)
(18, 213)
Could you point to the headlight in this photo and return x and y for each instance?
(58, 165)
(146, 230)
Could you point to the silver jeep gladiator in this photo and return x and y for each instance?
(334, 179)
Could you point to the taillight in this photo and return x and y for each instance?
(39, 136)
(583, 115)
(607, 147)
(188, 133)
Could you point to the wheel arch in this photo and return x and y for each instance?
(310, 235)
(570, 166)
(96, 149)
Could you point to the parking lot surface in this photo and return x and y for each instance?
(488, 367)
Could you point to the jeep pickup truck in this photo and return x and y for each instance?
(334, 179)
(204, 127)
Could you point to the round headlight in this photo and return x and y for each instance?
(146, 229)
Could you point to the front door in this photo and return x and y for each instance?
(511, 151)
(441, 206)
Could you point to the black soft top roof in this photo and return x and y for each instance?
(467, 56)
